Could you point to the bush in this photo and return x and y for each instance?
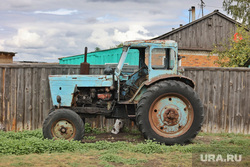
(27, 142)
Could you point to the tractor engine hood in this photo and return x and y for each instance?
(64, 85)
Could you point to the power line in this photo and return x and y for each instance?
(199, 13)
(202, 6)
(213, 6)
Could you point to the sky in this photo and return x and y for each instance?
(45, 30)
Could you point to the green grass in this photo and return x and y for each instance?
(89, 129)
(89, 137)
(104, 153)
(133, 131)
(230, 135)
(27, 142)
(133, 136)
(110, 157)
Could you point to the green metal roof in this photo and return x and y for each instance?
(103, 57)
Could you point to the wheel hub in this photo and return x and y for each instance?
(63, 129)
(171, 116)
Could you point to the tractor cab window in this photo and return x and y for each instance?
(129, 57)
(163, 58)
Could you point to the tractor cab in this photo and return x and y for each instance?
(158, 56)
(158, 59)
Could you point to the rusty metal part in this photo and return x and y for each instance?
(137, 93)
(58, 99)
(84, 67)
(107, 89)
(104, 96)
(171, 115)
(63, 129)
(144, 43)
(173, 77)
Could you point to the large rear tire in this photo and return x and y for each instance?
(63, 124)
(170, 112)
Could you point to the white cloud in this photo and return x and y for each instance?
(101, 38)
(25, 39)
(1, 45)
(135, 32)
(106, 40)
(58, 12)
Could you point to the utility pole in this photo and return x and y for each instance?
(189, 10)
(202, 5)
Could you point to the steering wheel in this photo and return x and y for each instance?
(145, 66)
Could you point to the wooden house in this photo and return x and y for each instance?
(198, 38)
(6, 57)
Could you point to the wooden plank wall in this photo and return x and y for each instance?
(25, 96)
(225, 94)
(206, 33)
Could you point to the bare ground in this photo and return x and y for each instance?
(136, 138)
(122, 136)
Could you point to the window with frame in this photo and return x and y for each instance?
(163, 58)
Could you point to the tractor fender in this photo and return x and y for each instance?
(181, 78)
(144, 86)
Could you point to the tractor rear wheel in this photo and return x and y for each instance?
(170, 112)
(63, 124)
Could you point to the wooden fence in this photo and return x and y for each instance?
(225, 93)
(25, 96)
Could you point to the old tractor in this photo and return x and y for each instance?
(163, 103)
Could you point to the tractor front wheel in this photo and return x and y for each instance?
(63, 124)
(170, 112)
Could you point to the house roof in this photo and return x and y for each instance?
(89, 53)
(215, 12)
(8, 53)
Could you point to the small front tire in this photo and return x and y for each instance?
(63, 124)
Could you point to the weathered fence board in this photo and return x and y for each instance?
(225, 95)
(25, 96)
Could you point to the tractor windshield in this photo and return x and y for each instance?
(121, 61)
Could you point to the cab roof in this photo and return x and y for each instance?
(147, 43)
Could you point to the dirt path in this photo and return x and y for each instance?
(122, 136)
(136, 138)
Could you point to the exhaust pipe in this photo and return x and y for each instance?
(193, 13)
(84, 67)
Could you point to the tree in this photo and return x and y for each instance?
(120, 45)
(97, 49)
(237, 53)
(239, 9)
(117, 46)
